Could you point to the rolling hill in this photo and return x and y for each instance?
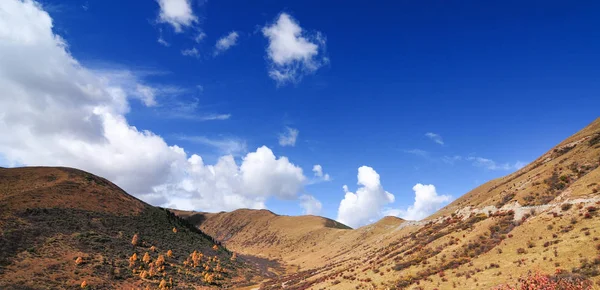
(541, 219)
(62, 226)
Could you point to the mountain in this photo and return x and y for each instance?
(63, 226)
(541, 219)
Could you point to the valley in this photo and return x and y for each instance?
(66, 228)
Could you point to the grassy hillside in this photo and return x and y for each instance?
(541, 219)
(61, 227)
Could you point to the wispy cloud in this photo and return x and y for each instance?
(226, 42)
(289, 137)
(176, 108)
(452, 159)
(161, 40)
(135, 84)
(200, 37)
(435, 138)
(232, 146)
(490, 164)
(319, 175)
(417, 152)
(192, 52)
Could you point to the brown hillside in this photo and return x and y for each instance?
(542, 218)
(62, 226)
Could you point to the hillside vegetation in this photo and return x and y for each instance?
(537, 228)
(63, 228)
(540, 222)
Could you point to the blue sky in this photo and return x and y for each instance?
(500, 83)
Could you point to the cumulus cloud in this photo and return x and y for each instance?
(292, 53)
(226, 42)
(177, 13)
(427, 201)
(227, 185)
(265, 174)
(56, 112)
(310, 204)
(366, 205)
(435, 138)
(319, 175)
(289, 137)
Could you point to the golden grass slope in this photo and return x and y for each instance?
(543, 218)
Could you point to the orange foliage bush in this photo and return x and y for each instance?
(169, 253)
(196, 258)
(160, 261)
(163, 284)
(135, 240)
(146, 258)
(209, 278)
(132, 260)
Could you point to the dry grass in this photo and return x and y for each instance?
(448, 250)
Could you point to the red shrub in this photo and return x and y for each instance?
(540, 281)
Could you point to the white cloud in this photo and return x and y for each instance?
(318, 172)
(226, 42)
(176, 108)
(288, 138)
(519, 164)
(228, 146)
(490, 164)
(227, 186)
(264, 174)
(310, 204)
(292, 53)
(147, 94)
(131, 82)
(435, 138)
(366, 205)
(452, 159)
(162, 41)
(193, 52)
(56, 112)
(200, 37)
(427, 201)
(177, 13)
(211, 117)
